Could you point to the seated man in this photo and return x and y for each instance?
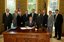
(30, 22)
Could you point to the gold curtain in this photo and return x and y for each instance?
(2, 10)
(42, 4)
(22, 4)
(61, 8)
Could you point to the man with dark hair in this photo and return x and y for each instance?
(33, 14)
(20, 19)
(38, 20)
(25, 17)
(58, 24)
(44, 19)
(30, 22)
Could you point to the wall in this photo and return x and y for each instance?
(2, 9)
(61, 6)
(41, 4)
(23, 5)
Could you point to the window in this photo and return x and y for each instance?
(53, 5)
(11, 5)
(31, 5)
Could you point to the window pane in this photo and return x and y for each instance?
(31, 5)
(31, 1)
(11, 5)
(53, 5)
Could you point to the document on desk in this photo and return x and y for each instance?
(23, 28)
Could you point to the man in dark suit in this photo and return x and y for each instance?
(58, 25)
(38, 21)
(30, 22)
(7, 19)
(33, 14)
(25, 17)
(44, 19)
(20, 19)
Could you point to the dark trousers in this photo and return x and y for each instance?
(58, 31)
(7, 27)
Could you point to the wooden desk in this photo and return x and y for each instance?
(26, 36)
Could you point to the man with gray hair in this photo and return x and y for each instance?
(7, 19)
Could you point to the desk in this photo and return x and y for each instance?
(18, 35)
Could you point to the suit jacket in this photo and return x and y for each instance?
(20, 21)
(58, 20)
(44, 20)
(34, 16)
(25, 18)
(7, 20)
(30, 24)
(50, 21)
(14, 20)
(38, 21)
